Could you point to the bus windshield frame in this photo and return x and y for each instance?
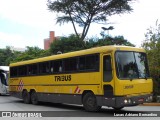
(131, 65)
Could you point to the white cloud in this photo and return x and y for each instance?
(28, 12)
(32, 14)
(16, 40)
(11, 39)
(133, 26)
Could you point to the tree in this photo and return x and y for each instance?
(108, 40)
(106, 29)
(152, 46)
(73, 43)
(117, 40)
(31, 53)
(66, 44)
(85, 12)
(7, 55)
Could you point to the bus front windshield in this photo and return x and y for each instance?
(4, 78)
(131, 65)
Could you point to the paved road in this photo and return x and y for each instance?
(10, 104)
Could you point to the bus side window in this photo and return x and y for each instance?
(52, 69)
(58, 66)
(14, 71)
(82, 63)
(107, 68)
(44, 67)
(52, 66)
(32, 69)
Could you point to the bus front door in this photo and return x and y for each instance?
(108, 85)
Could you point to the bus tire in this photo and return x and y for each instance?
(34, 98)
(90, 102)
(26, 97)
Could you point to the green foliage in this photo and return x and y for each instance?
(6, 55)
(152, 46)
(64, 44)
(31, 53)
(85, 12)
(108, 40)
(67, 44)
(72, 43)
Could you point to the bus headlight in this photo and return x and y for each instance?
(151, 98)
(129, 101)
(125, 101)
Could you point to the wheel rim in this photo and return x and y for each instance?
(91, 102)
(34, 98)
(26, 97)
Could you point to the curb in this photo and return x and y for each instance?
(150, 104)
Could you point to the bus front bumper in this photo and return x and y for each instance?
(118, 102)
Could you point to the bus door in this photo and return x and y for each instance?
(108, 86)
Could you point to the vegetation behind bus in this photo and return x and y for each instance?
(64, 44)
(152, 46)
(72, 43)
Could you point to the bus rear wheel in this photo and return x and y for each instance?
(90, 102)
(26, 97)
(34, 98)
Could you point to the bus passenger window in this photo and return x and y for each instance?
(73, 64)
(22, 70)
(51, 66)
(82, 63)
(90, 62)
(32, 70)
(58, 66)
(77, 66)
(70, 64)
(107, 68)
(44, 68)
(51, 69)
(13, 71)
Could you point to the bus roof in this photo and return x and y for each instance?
(101, 49)
(4, 68)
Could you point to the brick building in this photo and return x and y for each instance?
(49, 40)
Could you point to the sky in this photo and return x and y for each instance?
(28, 22)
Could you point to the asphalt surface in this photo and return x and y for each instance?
(18, 110)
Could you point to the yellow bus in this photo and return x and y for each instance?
(113, 76)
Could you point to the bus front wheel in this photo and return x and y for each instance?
(34, 98)
(26, 97)
(90, 102)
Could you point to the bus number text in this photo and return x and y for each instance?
(63, 78)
